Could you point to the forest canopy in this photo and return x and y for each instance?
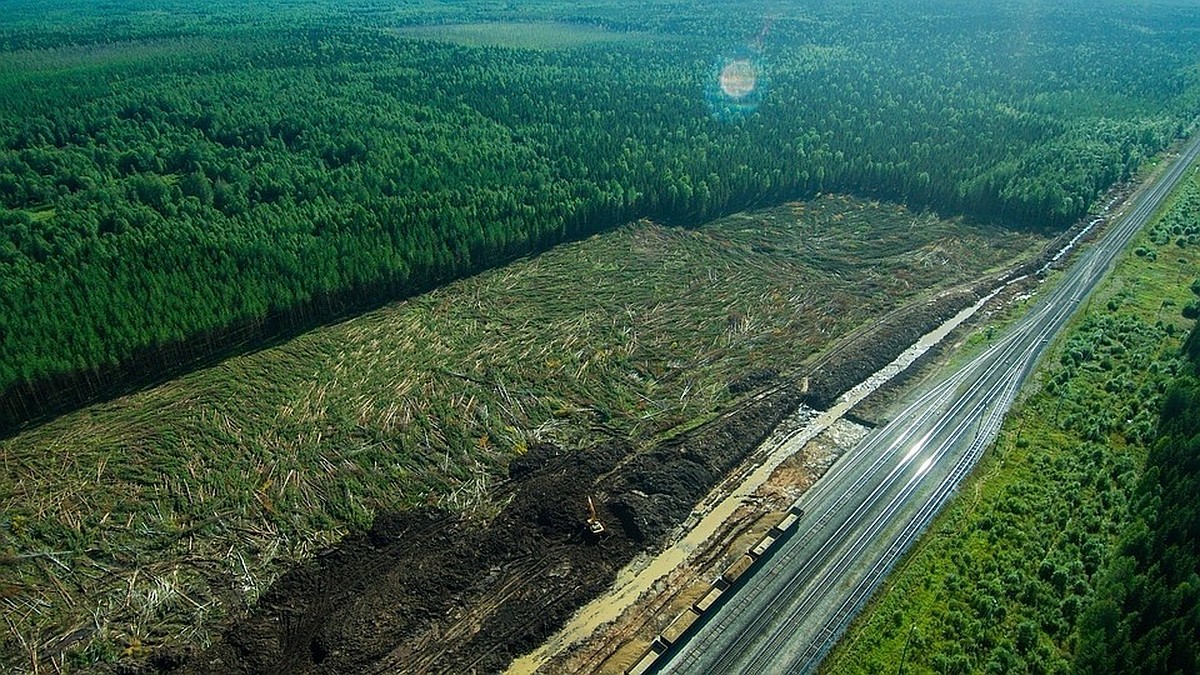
(1146, 613)
(181, 179)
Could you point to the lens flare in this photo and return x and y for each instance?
(737, 85)
(738, 78)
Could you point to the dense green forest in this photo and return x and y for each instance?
(1145, 617)
(179, 180)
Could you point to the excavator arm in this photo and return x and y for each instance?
(593, 523)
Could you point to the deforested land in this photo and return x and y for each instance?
(305, 307)
(147, 520)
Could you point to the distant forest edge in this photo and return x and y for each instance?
(181, 182)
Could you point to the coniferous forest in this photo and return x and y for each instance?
(182, 180)
(1146, 613)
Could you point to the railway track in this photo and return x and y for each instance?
(880, 497)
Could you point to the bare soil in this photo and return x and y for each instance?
(427, 592)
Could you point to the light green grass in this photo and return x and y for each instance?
(42, 214)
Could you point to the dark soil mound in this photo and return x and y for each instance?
(879, 347)
(424, 591)
(427, 591)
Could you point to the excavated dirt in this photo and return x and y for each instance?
(425, 591)
(859, 359)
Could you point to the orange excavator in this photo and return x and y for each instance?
(594, 526)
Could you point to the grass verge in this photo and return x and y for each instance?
(998, 582)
